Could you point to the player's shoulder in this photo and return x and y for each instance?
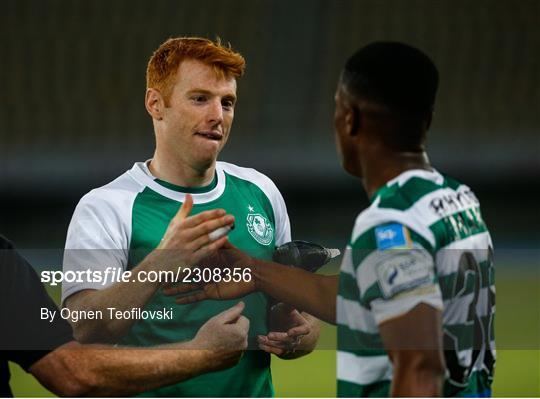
(384, 228)
(116, 194)
(393, 216)
(250, 175)
(411, 200)
(417, 188)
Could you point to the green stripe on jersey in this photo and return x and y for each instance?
(348, 287)
(404, 197)
(379, 389)
(359, 343)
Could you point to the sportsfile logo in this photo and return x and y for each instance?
(116, 275)
(108, 275)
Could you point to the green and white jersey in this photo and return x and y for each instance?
(422, 240)
(118, 224)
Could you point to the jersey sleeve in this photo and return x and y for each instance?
(283, 224)
(97, 238)
(395, 270)
(26, 336)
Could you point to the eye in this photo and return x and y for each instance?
(199, 98)
(228, 104)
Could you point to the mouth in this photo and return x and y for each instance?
(210, 135)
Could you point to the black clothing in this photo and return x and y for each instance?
(24, 336)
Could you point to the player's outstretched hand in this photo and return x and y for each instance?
(235, 280)
(189, 239)
(287, 342)
(225, 335)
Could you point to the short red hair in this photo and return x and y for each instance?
(163, 64)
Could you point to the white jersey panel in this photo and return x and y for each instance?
(100, 232)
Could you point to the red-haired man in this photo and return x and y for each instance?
(161, 214)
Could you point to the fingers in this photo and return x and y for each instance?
(206, 250)
(210, 225)
(197, 296)
(243, 323)
(279, 346)
(198, 237)
(280, 339)
(202, 217)
(297, 318)
(231, 315)
(191, 233)
(301, 325)
(278, 336)
(186, 208)
(298, 331)
(272, 349)
(171, 290)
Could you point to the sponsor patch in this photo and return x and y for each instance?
(393, 235)
(402, 270)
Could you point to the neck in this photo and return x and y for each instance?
(174, 171)
(383, 166)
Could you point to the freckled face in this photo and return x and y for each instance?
(198, 117)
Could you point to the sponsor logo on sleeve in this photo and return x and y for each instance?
(402, 270)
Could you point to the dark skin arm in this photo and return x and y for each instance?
(414, 344)
(313, 293)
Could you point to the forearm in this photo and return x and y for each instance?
(76, 370)
(417, 381)
(123, 296)
(313, 293)
(414, 345)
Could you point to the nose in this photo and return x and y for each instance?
(215, 112)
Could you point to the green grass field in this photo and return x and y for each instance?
(518, 354)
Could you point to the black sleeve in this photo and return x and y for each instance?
(24, 336)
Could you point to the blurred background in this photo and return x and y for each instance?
(72, 117)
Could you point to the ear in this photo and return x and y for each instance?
(352, 120)
(154, 103)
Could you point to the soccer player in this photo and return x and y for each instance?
(134, 223)
(415, 295)
(46, 348)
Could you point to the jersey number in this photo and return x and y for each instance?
(460, 369)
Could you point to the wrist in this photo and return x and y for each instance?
(150, 264)
(256, 271)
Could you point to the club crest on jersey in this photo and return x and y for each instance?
(260, 228)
